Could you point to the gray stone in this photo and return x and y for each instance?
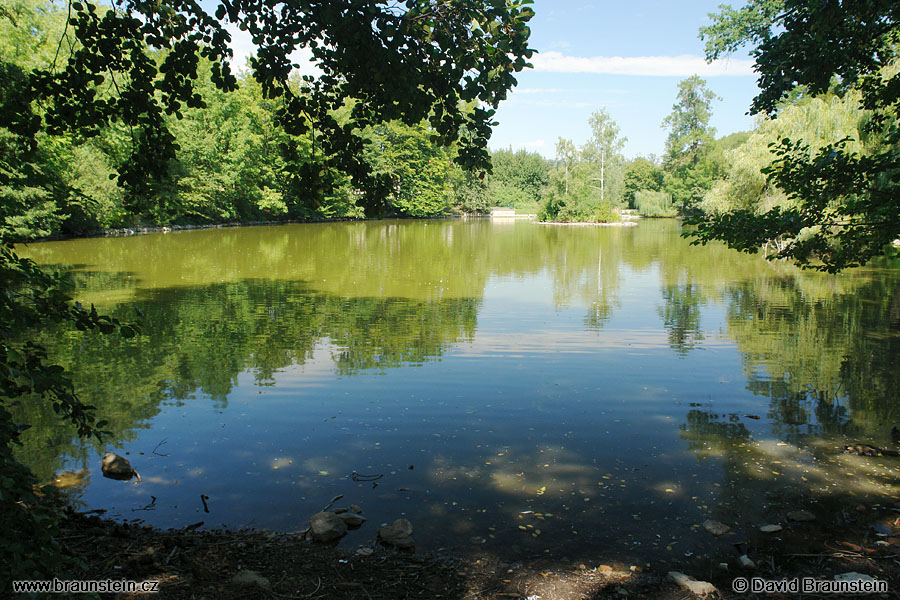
(397, 534)
(854, 576)
(353, 521)
(327, 527)
(686, 582)
(770, 528)
(248, 577)
(716, 528)
(355, 508)
(801, 515)
(746, 561)
(117, 467)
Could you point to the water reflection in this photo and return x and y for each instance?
(522, 389)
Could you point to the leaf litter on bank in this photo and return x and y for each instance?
(193, 563)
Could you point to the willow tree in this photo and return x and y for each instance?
(846, 198)
(819, 121)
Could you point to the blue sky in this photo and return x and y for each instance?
(625, 56)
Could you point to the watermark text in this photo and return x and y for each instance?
(85, 586)
(809, 585)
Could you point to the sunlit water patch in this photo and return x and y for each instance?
(514, 390)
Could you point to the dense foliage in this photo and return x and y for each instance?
(518, 179)
(31, 301)
(449, 63)
(641, 174)
(651, 203)
(843, 203)
(145, 96)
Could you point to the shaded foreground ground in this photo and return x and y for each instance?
(201, 564)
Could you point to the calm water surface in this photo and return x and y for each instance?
(523, 390)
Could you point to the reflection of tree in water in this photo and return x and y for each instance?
(823, 351)
(822, 348)
(828, 364)
(585, 265)
(199, 339)
(748, 489)
(708, 435)
(763, 478)
(681, 316)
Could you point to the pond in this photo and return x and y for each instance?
(513, 389)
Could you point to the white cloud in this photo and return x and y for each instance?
(532, 144)
(653, 66)
(516, 91)
(538, 90)
(550, 103)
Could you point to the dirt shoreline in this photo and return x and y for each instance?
(193, 563)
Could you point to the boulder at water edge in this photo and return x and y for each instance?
(397, 534)
(117, 467)
(327, 527)
(353, 521)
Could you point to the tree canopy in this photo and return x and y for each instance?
(136, 62)
(689, 172)
(688, 123)
(844, 204)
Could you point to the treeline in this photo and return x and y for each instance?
(713, 178)
(594, 182)
(700, 174)
(234, 161)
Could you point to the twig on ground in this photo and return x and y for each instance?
(333, 500)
